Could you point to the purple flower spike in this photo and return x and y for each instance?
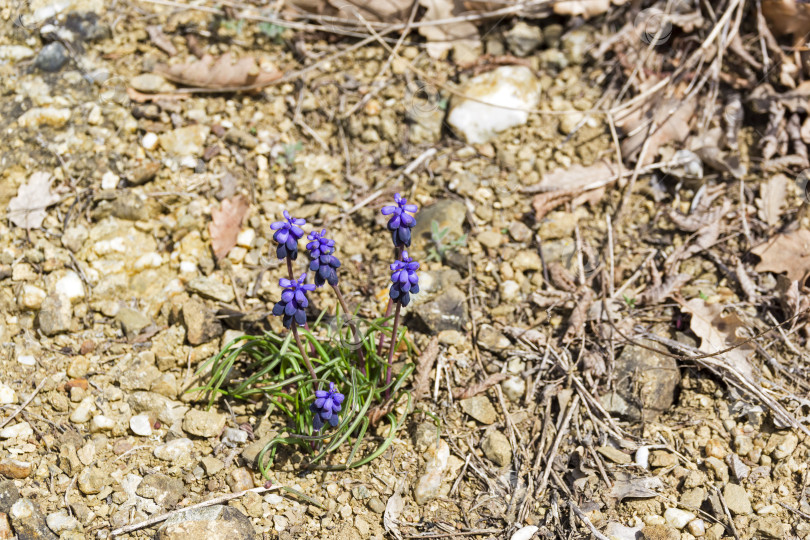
(324, 264)
(293, 301)
(288, 233)
(404, 279)
(326, 407)
(401, 221)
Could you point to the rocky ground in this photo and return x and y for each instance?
(112, 297)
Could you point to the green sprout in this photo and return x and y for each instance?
(271, 30)
(440, 247)
(233, 26)
(631, 302)
(290, 151)
(703, 296)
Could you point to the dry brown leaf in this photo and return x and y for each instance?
(635, 487)
(443, 36)
(787, 17)
(421, 381)
(27, 209)
(660, 292)
(140, 97)
(718, 332)
(225, 225)
(771, 199)
(788, 252)
(576, 177)
(475, 389)
(579, 315)
(670, 124)
(219, 73)
(161, 40)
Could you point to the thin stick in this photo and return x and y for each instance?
(557, 440)
(391, 351)
(211, 502)
(302, 351)
(584, 519)
(25, 404)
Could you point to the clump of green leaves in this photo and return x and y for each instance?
(440, 243)
(275, 373)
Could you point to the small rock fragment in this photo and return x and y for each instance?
(427, 487)
(28, 521)
(163, 489)
(677, 518)
(141, 424)
(55, 314)
(615, 455)
(20, 430)
(240, 479)
(61, 522)
(14, 468)
(204, 423)
(52, 57)
(737, 499)
(524, 38)
(211, 288)
(480, 408)
(514, 87)
(201, 325)
(174, 450)
(132, 321)
(497, 449)
(211, 523)
(92, 480)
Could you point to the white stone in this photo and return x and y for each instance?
(525, 533)
(509, 290)
(245, 238)
(44, 116)
(60, 522)
(148, 260)
(20, 430)
(273, 499)
(81, 413)
(514, 388)
(514, 89)
(677, 518)
(15, 53)
(70, 285)
(697, 527)
(141, 425)
(174, 449)
(643, 457)
(101, 423)
(31, 297)
(188, 267)
(27, 360)
(189, 162)
(149, 141)
(7, 395)
(95, 117)
(109, 180)
(427, 487)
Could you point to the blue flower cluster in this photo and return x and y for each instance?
(401, 221)
(288, 233)
(326, 407)
(293, 301)
(404, 280)
(324, 263)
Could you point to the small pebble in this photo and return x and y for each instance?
(7, 395)
(20, 430)
(109, 180)
(141, 425)
(696, 527)
(678, 518)
(149, 141)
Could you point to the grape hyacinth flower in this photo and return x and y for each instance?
(293, 301)
(401, 221)
(326, 407)
(405, 280)
(288, 233)
(324, 263)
